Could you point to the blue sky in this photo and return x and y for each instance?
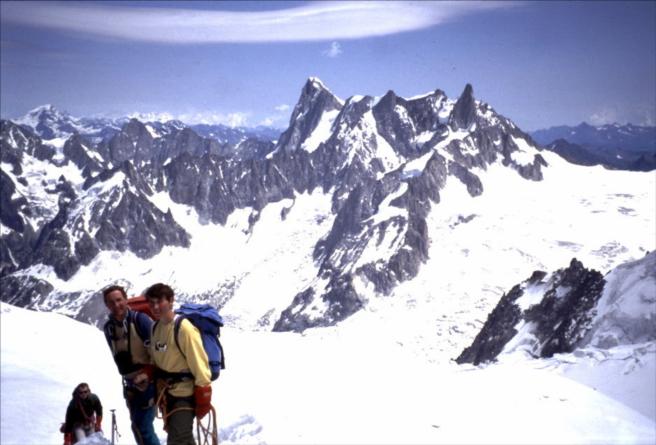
(244, 63)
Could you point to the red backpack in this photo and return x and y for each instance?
(140, 304)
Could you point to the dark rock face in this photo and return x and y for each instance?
(134, 142)
(80, 152)
(314, 101)
(464, 111)
(252, 148)
(469, 179)
(350, 235)
(498, 330)
(130, 224)
(557, 323)
(393, 124)
(14, 141)
(22, 291)
(10, 215)
(379, 234)
(646, 162)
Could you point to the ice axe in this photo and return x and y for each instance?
(115, 433)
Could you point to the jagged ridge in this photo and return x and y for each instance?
(390, 157)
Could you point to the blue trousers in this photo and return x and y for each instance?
(142, 414)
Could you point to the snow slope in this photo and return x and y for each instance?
(329, 386)
(482, 246)
(266, 264)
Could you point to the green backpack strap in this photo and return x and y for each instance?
(176, 333)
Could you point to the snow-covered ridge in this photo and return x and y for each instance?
(626, 311)
(569, 309)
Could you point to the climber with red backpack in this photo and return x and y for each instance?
(183, 365)
(127, 333)
(83, 415)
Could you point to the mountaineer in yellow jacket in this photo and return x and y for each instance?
(182, 373)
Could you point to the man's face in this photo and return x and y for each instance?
(160, 307)
(117, 304)
(83, 392)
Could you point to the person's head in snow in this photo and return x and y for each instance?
(83, 415)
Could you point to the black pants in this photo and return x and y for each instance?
(180, 423)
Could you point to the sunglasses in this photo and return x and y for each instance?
(83, 391)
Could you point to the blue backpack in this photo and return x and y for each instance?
(209, 323)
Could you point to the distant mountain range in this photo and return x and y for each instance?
(343, 201)
(623, 147)
(72, 189)
(50, 123)
(615, 146)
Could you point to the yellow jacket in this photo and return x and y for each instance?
(167, 357)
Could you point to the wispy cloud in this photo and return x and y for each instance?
(607, 115)
(637, 114)
(280, 116)
(310, 22)
(268, 121)
(237, 119)
(334, 50)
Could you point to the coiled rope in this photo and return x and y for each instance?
(209, 434)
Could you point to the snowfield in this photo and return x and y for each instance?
(334, 385)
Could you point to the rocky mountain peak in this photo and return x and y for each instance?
(389, 99)
(314, 102)
(134, 128)
(40, 110)
(314, 93)
(47, 112)
(48, 122)
(464, 111)
(314, 83)
(134, 142)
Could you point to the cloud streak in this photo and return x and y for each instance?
(236, 119)
(334, 50)
(318, 21)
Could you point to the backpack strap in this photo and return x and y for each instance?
(152, 329)
(143, 324)
(132, 319)
(108, 336)
(176, 333)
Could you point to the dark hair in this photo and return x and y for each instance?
(159, 291)
(113, 288)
